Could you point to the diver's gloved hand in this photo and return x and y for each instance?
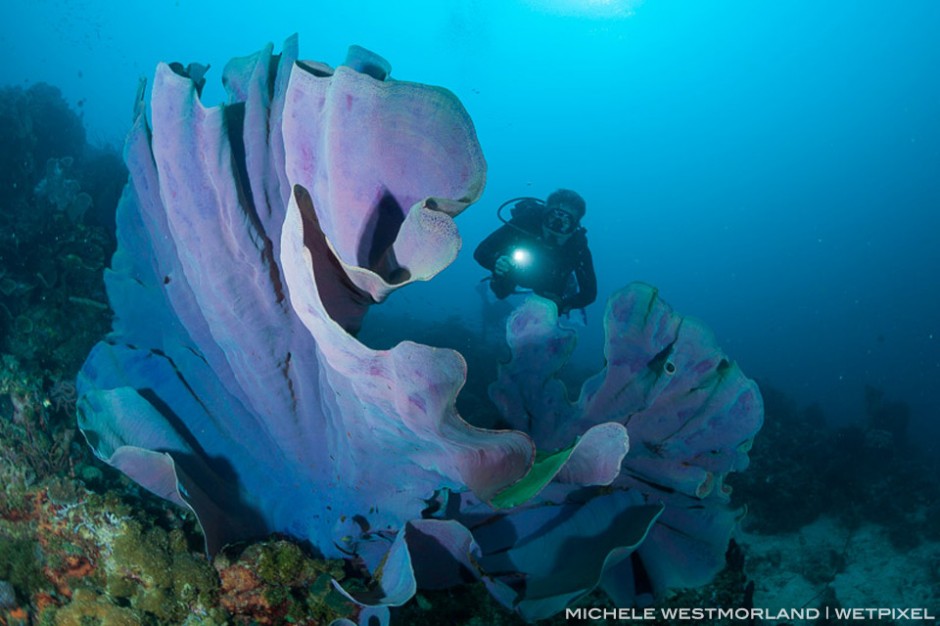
(501, 287)
(503, 265)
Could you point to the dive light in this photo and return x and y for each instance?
(521, 258)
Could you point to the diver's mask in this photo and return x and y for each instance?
(559, 221)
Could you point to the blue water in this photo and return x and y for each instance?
(774, 168)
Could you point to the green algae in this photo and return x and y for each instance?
(153, 570)
(88, 608)
(283, 563)
(277, 578)
(120, 556)
(19, 564)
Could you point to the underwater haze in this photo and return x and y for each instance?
(773, 168)
(765, 171)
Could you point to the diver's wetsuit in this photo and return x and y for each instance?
(563, 274)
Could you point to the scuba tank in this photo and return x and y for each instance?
(525, 209)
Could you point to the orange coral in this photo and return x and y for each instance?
(16, 617)
(242, 593)
(74, 568)
(43, 602)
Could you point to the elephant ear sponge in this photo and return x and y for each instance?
(690, 414)
(253, 237)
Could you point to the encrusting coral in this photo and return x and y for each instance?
(57, 199)
(76, 557)
(63, 192)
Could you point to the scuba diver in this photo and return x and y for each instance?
(542, 248)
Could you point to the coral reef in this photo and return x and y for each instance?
(882, 478)
(274, 582)
(71, 556)
(89, 607)
(157, 573)
(36, 125)
(826, 563)
(57, 201)
(52, 308)
(62, 192)
(37, 427)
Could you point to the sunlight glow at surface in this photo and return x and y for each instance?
(600, 9)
